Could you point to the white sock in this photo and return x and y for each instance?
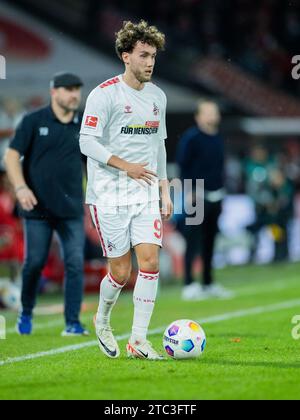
(110, 291)
(144, 298)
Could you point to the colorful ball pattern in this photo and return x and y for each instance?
(184, 339)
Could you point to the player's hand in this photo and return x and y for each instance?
(139, 172)
(26, 199)
(167, 208)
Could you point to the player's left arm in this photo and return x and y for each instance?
(167, 204)
(167, 207)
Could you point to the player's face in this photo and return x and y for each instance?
(67, 98)
(141, 61)
(208, 115)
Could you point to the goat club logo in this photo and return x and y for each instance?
(155, 109)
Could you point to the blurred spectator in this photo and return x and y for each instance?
(281, 210)
(260, 36)
(273, 194)
(291, 162)
(234, 174)
(258, 168)
(11, 236)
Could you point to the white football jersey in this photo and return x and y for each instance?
(130, 124)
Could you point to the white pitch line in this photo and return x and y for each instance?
(211, 320)
(252, 311)
(60, 323)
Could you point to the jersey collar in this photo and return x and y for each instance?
(54, 117)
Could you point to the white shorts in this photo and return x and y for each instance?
(121, 228)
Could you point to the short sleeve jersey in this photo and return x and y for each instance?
(52, 164)
(131, 124)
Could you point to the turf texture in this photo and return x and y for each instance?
(251, 354)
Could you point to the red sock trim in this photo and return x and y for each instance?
(115, 281)
(148, 273)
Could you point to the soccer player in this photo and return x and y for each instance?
(123, 135)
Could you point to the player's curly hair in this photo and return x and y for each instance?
(131, 33)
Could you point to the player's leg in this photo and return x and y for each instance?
(145, 291)
(111, 286)
(110, 289)
(146, 234)
(114, 237)
(38, 234)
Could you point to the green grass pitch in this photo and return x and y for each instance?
(250, 353)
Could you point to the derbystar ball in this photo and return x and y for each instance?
(184, 339)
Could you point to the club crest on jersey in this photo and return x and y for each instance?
(44, 131)
(111, 246)
(155, 109)
(91, 122)
(128, 109)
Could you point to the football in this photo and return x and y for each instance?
(10, 296)
(184, 339)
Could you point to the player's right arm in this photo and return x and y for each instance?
(96, 118)
(136, 171)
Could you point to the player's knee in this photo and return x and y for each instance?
(121, 273)
(150, 263)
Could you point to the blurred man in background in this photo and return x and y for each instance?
(48, 187)
(281, 212)
(274, 203)
(258, 167)
(201, 156)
